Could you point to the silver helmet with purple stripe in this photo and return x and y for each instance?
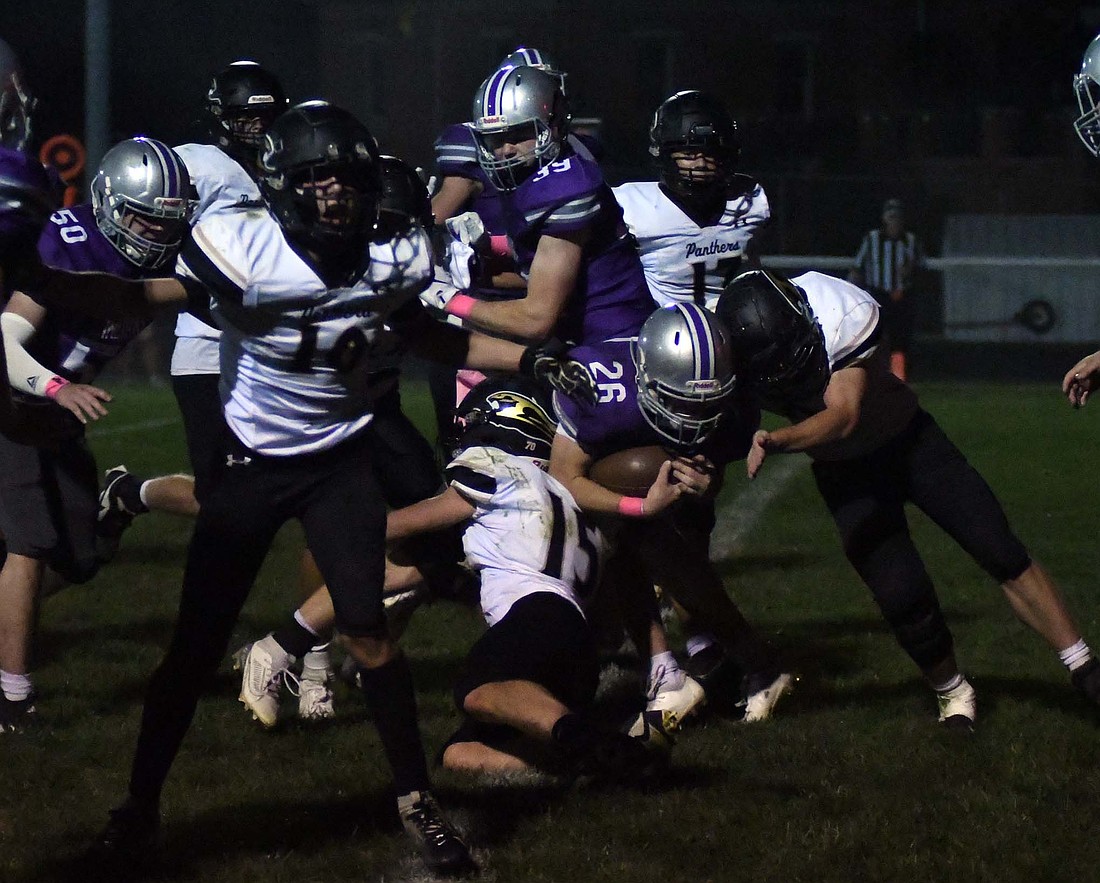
(143, 201)
(528, 56)
(519, 122)
(684, 372)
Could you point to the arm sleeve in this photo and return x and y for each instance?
(24, 373)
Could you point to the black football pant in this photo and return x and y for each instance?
(866, 497)
(336, 498)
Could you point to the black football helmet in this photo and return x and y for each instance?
(16, 103)
(509, 412)
(694, 120)
(778, 346)
(404, 202)
(243, 100)
(319, 154)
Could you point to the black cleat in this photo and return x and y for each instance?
(443, 851)
(119, 503)
(16, 714)
(1087, 680)
(128, 843)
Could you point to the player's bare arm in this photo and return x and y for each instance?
(843, 403)
(444, 510)
(551, 282)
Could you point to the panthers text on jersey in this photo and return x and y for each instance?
(220, 183)
(849, 319)
(682, 260)
(615, 422)
(527, 534)
(301, 363)
(610, 298)
(74, 346)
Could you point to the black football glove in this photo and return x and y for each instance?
(550, 363)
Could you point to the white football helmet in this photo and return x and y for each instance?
(1086, 85)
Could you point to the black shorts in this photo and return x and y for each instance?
(543, 638)
(48, 505)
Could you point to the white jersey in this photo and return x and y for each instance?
(220, 184)
(301, 363)
(849, 319)
(684, 262)
(527, 534)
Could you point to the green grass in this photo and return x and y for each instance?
(851, 781)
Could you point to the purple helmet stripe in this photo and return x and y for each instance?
(493, 92)
(701, 338)
(169, 166)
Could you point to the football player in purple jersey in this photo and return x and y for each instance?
(584, 279)
(141, 203)
(672, 386)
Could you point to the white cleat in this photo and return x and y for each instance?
(958, 707)
(265, 665)
(315, 699)
(760, 704)
(676, 703)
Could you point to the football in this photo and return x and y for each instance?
(630, 472)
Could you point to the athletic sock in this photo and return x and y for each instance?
(295, 637)
(15, 686)
(1075, 655)
(950, 684)
(391, 700)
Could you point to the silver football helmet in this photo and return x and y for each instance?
(525, 56)
(16, 103)
(1086, 85)
(684, 372)
(514, 105)
(143, 201)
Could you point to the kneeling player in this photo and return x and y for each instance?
(530, 677)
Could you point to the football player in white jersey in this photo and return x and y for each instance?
(809, 347)
(695, 226)
(314, 325)
(529, 679)
(1084, 377)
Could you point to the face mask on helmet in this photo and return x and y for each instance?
(404, 201)
(684, 373)
(143, 201)
(696, 145)
(778, 345)
(510, 413)
(319, 176)
(16, 103)
(243, 101)
(1086, 86)
(519, 123)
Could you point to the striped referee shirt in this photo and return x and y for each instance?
(888, 263)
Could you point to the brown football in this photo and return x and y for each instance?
(630, 472)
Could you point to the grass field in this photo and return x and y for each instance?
(852, 781)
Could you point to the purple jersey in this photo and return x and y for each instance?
(75, 346)
(611, 298)
(456, 156)
(27, 196)
(615, 422)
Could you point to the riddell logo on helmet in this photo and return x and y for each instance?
(261, 99)
(711, 385)
(498, 120)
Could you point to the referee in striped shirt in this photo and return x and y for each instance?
(887, 265)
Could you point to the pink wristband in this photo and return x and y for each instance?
(501, 246)
(460, 305)
(53, 385)
(632, 506)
